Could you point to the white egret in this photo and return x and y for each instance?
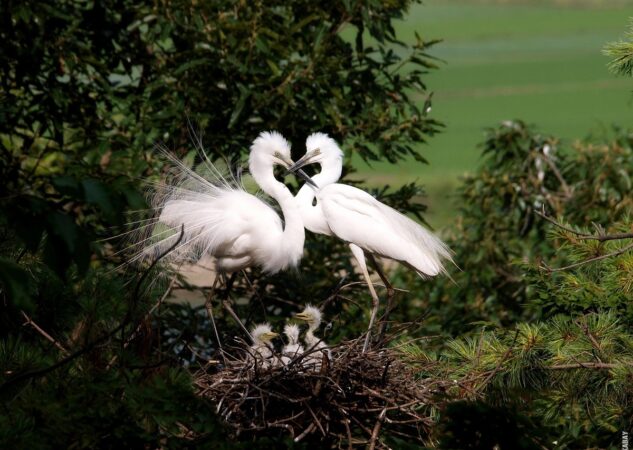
(366, 224)
(219, 218)
(293, 348)
(312, 316)
(261, 349)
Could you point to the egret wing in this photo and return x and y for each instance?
(357, 217)
(214, 213)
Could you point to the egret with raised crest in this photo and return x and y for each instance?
(219, 218)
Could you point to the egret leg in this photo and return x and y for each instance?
(229, 285)
(209, 305)
(359, 254)
(390, 293)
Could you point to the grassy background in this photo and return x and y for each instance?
(539, 61)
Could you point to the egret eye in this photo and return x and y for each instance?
(277, 155)
(317, 151)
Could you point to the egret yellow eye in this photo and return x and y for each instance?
(277, 155)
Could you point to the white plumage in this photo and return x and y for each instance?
(261, 349)
(313, 360)
(221, 219)
(293, 348)
(359, 219)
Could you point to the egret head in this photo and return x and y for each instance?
(263, 334)
(320, 149)
(270, 148)
(311, 315)
(292, 333)
(324, 151)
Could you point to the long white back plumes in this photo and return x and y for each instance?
(186, 202)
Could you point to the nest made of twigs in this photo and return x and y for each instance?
(355, 398)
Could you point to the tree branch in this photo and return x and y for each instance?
(587, 261)
(41, 331)
(588, 236)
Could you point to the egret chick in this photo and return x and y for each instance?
(312, 316)
(293, 348)
(262, 347)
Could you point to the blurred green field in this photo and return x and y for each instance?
(539, 61)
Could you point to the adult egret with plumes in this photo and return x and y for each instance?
(312, 316)
(367, 225)
(293, 347)
(219, 218)
(261, 349)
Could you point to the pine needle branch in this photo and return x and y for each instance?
(589, 260)
(588, 236)
(622, 54)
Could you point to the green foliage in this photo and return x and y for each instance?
(87, 90)
(622, 54)
(570, 375)
(499, 233)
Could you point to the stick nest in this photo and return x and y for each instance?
(354, 399)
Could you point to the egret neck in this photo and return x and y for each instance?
(312, 216)
(293, 236)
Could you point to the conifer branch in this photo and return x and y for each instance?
(589, 260)
(41, 331)
(588, 236)
(622, 54)
(587, 365)
(100, 340)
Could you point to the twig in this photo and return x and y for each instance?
(587, 365)
(39, 329)
(98, 341)
(305, 432)
(227, 306)
(557, 173)
(587, 261)
(147, 316)
(376, 430)
(588, 236)
(503, 359)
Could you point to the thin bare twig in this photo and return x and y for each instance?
(41, 331)
(588, 236)
(586, 365)
(227, 305)
(590, 260)
(376, 430)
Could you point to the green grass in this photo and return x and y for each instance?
(536, 61)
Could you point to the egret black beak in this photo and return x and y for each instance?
(304, 176)
(304, 160)
(288, 163)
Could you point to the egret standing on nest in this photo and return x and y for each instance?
(293, 348)
(261, 349)
(367, 225)
(312, 316)
(219, 218)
